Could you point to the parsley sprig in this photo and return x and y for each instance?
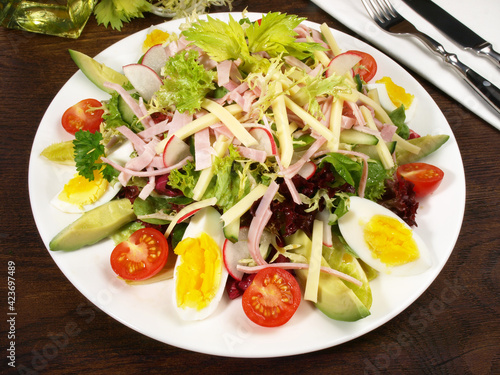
(88, 151)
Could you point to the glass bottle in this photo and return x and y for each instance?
(65, 18)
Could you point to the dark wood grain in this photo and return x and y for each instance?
(453, 328)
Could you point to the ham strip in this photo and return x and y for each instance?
(178, 121)
(137, 141)
(293, 169)
(356, 113)
(293, 191)
(299, 266)
(148, 189)
(145, 119)
(293, 61)
(223, 72)
(144, 159)
(156, 129)
(156, 172)
(259, 222)
(202, 149)
(364, 174)
(252, 154)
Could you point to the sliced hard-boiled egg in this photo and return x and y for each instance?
(200, 275)
(382, 240)
(154, 37)
(391, 96)
(81, 195)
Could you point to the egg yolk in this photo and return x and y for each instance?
(390, 241)
(80, 192)
(396, 93)
(199, 273)
(153, 38)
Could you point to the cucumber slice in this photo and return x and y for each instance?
(355, 137)
(232, 230)
(127, 114)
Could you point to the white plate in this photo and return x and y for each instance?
(148, 309)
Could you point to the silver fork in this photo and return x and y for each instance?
(386, 16)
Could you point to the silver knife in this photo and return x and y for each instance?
(454, 29)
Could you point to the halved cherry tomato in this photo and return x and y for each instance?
(83, 116)
(142, 256)
(425, 177)
(367, 67)
(272, 298)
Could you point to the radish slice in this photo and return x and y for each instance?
(307, 170)
(175, 151)
(155, 58)
(342, 63)
(234, 252)
(143, 78)
(265, 141)
(188, 215)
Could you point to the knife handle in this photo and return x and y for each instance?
(488, 91)
(488, 51)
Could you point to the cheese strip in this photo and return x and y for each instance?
(309, 119)
(330, 39)
(336, 124)
(243, 205)
(220, 147)
(196, 125)
(282, 126)
(312, 283)
(230, 121)
(189, 209)
(383, 151)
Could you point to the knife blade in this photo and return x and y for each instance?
(454, 29)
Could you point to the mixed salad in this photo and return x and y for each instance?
(252, 159)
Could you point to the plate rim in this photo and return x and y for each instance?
(215, 351)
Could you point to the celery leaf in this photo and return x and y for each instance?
(115, 12)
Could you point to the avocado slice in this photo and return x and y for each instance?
(427, 143)
(336, 299)
(96, 72)
(94, 225)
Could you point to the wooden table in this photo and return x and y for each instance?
(458, 335)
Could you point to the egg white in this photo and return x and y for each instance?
(109, 193)
(205, 220)
(120, 154)
(361, 211)
(387, 103)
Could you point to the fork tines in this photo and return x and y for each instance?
(381, 11)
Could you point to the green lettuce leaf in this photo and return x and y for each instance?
(186, 83)
(375, 184)
(348, 169)
(153, 204)
(398, 117)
